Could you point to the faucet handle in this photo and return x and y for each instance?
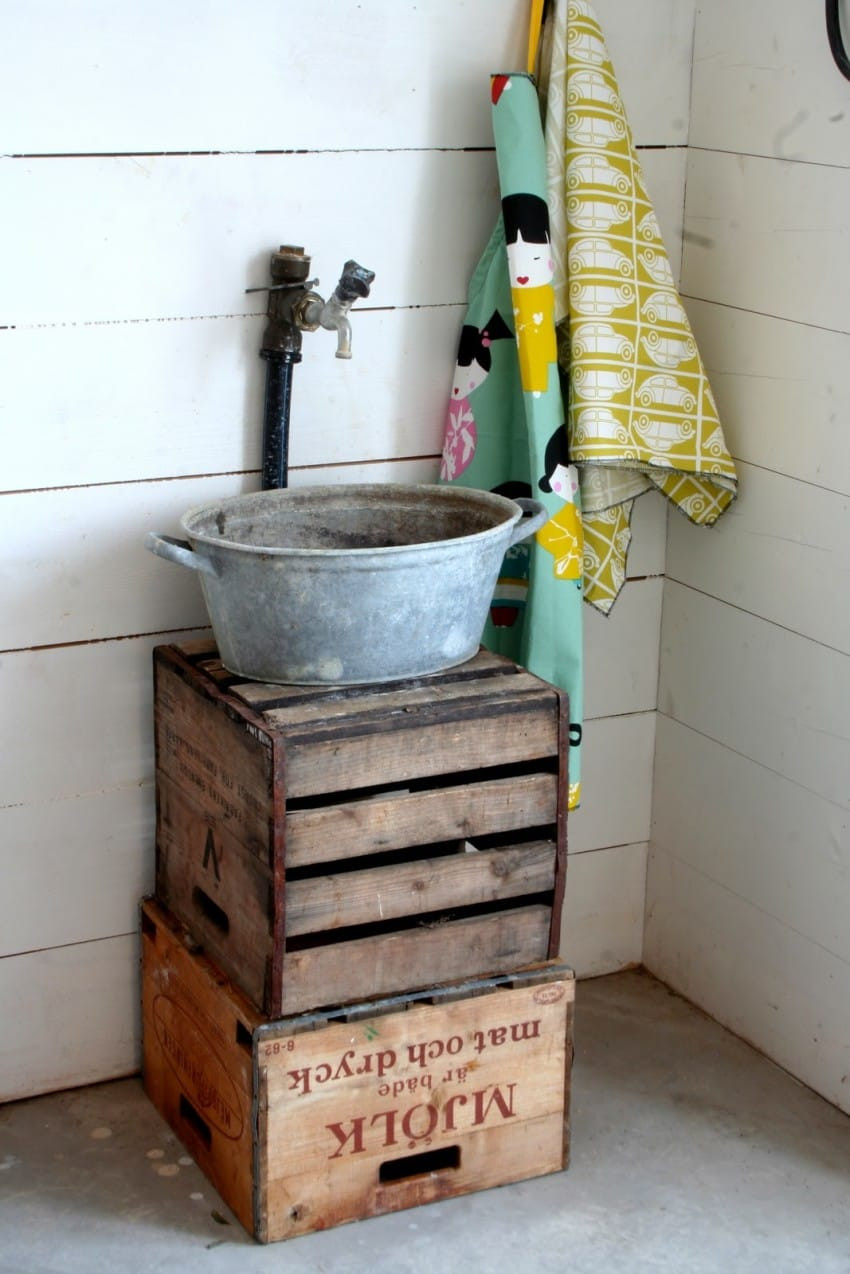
(354, 283)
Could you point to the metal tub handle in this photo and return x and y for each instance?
(179, 551)
(536, 515)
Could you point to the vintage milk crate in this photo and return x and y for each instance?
(318, 1119)
(330, 845)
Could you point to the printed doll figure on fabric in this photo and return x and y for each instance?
(474, 360)
(526, 219)
(562, 535)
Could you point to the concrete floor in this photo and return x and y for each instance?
(691, 1153)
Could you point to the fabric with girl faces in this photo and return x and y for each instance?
(505, 427)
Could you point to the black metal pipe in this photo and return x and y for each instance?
(279, 365)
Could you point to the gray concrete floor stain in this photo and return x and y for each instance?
(690, 1153)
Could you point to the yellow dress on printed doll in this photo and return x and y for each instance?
(534, 319)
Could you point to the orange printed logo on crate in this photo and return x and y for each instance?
(550, 994)
(200, 1071)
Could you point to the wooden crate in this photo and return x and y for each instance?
(329, 845)
(318, 1119)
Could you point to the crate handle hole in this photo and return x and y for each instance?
(415, 1165)
(195, 1121)
(211, 910)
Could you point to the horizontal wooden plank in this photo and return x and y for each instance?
(757, 834)
(417, 957)
(221, 87)
(75, 1011)
(74, 870)
(105, 583)
(270, 696)
(603, 917)
(775, 987)
(513, 730)
(489, 1157)
(616, 783)
(98, 700)
(621, 651)
(764, 83)
(779, 392)
(766, 693)
(186, 398)
(426, 885)
(781, 551)
(398, 819)
(436, 697)
(229, 204)
(768, 236)
(193, 210)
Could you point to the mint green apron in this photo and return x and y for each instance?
(506, 428)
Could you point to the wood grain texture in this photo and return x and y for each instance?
(76, 1016)
(186, 398)
(226, 774)
(782, 551)
(764, 83)
(780, 392)
(413, 78)
(427, 885)
(774, 987)
(791, 861)
(73, 870)
(513, 730)
(617, 761)
(767, 236)
(512, 1129)
(415, 958)
(230, 203)
(197, 1062)
(603, 918)
(297, 1121)
(793, 723)
(399, 819)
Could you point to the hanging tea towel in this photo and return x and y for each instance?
(506, 429)
(641, 415)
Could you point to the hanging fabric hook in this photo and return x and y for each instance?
(836, 40)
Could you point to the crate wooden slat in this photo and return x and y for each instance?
(329, 844)
(322, 1118)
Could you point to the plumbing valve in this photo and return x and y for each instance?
(311, 311)
(293, 308)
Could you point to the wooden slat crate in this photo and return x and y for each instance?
(318, 1119)
(328, 845)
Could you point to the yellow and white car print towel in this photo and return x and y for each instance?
(640, 414)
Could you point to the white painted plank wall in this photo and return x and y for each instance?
(176, 147)
(748, 887)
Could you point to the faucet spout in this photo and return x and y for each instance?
(312, 312)
(334, 318)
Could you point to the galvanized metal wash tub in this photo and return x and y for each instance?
(349, 584)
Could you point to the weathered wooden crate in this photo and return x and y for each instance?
(318, 1119)
(330, 845)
